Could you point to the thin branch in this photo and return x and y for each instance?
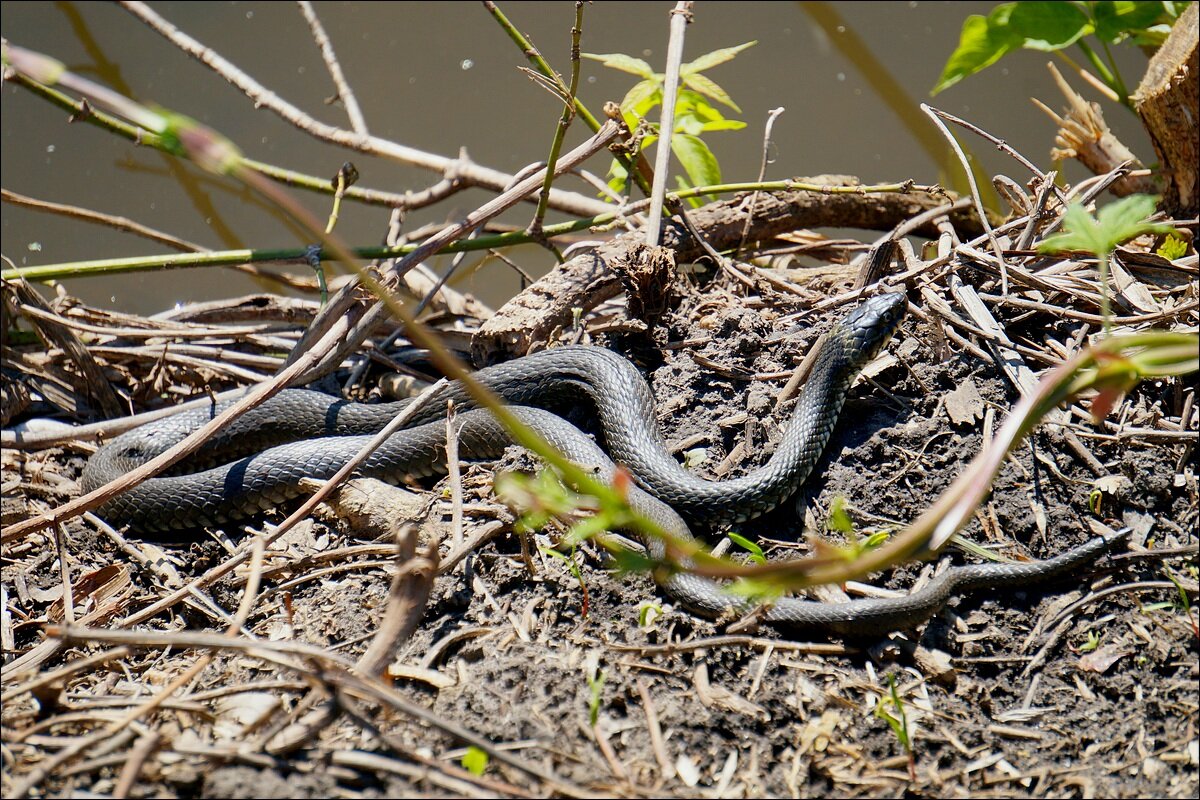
(263, 97)
(357, 121)
(935, 114)
(772, 115)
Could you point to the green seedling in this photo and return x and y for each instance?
(1172, 247)
(839, 521)
(897, 721)
(694, 113)
(648, 613)
(569, 560)
(756, 552)
(1115, 223)
(475, 760)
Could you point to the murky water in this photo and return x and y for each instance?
(443, 76)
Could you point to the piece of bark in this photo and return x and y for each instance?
(1168, 101)
(588, 279)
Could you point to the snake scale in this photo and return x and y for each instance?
(321, 433)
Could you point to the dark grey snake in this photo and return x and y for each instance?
(323, 433)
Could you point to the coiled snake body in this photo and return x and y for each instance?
(323, 433)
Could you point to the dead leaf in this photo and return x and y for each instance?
(1100, 659)
(964, 405)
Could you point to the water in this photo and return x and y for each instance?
(443, 76)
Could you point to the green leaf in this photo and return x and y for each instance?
(596, 684)
(689, 124)
(698, 161)
(648, 612)
(475, 760)
(723, 125)
(898, 722)
(618, 178)
(1116, 20)
(757, 589)
(681, 185)
(1048, 26)
(1123, 219)
(982, 41)
(623, 62)
(586, 528)
(875, 540)
(1079, 233)
(713, 59)
(706, 86)
(569, 560)
(693, 103)
(643, 96)
(628, 562)
(1115, 223)
(756, 552)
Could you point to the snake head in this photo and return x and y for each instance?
(870, 326)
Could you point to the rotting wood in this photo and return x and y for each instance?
(1168, 101)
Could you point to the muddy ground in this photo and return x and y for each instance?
(1018, 693)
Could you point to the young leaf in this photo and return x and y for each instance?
(648, 92)
(596, 684)
(839, 520)
(1115, 223)
(756, 552)
(981, 43)
(1173, 247)
(622, 62)
(713, 59)
(706, 86)
(1115, 21)
(757, 589)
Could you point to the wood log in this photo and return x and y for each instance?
(1168, 101)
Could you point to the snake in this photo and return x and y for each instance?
(245, 469)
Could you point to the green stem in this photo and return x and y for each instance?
(539, 63)
(1120, 86)
(1104, 73)
(229, 258)
(564, 122)
(543, 67)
